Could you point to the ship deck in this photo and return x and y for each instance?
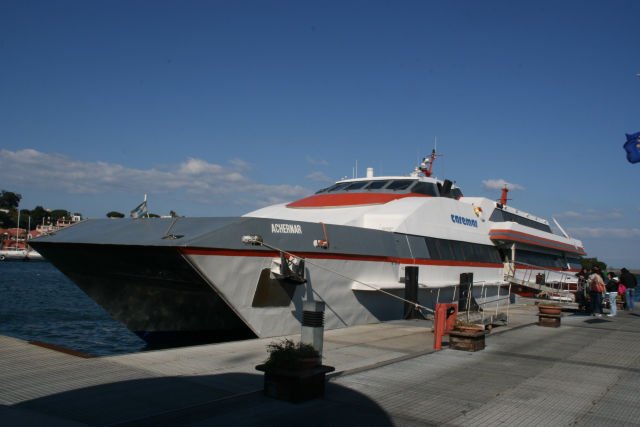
(585, 372)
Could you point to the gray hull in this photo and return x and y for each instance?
(186, 280)
(138, 272)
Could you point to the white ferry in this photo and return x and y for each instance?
(347, 245)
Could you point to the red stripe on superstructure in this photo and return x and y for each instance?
(349, 199)
(344, 257)
(512, 235)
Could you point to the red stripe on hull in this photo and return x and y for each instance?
(344, 257)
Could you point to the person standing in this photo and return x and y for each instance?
(582, 291)
(629, 281)
(596, 289)
(612, 293)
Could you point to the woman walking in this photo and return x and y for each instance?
(596, 289)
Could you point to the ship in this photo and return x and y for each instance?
(349, 246)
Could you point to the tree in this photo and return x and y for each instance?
(588, 263)
(57, 214)
(114, 214)
(39, 215)
(9, 200)
(9, 203)
(6, 219)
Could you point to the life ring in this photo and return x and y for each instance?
(1, 257)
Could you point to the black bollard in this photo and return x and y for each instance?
(411, 292)
(465, 298)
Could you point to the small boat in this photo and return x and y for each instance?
(15, 254)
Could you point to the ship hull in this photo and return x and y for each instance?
(194, 280)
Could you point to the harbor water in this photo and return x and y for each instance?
(39, 303)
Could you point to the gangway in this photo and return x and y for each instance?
(554, 285)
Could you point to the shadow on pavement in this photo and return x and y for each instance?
(217, 399)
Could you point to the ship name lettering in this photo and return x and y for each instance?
(286, 228)
(464, 221)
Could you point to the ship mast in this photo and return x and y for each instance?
(427, 163)
(503, 196)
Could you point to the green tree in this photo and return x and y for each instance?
(9, 203)
(39, 215)
(6, 219)
(9, 200)
(57, 214)
(588, 263)
(114, 214)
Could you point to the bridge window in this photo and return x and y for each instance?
(400, 184)
(376, 185)
(355, 185)
(427, 188)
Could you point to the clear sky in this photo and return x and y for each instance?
(220, 107)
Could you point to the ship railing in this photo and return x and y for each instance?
(552, 283)
(479, 306)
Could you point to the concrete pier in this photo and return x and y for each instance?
(586, 372)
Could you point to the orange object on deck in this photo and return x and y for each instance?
(443, 322)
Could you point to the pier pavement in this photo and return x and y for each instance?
(584, 373)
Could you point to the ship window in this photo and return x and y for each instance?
(376, 185)
(356, 185)
(538, 259)
(468, 253)
(456, 193)
(458, 251)
(452, 250)
(401, 184)
(483, 253)
(433, 249)
(338, 187)
(427, 188)
(444, 249)
(499, 215)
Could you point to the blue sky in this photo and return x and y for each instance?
(220, 107)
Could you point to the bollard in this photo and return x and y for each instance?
(443, 322)
(410, 292)
(313, 324)
(466, 292)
